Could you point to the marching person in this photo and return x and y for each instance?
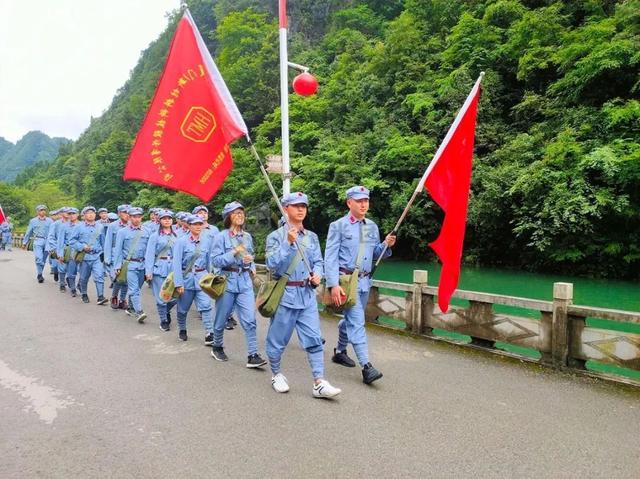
(6, 231)
(207, 229)
(158, 263)
(298, 308)
(109, 257)
(51, 248)
(87, 239)
(66, 264)
(353, 242)
(131, 245)
(152, 223)
(182, 228)
(103, 216)
(191, 258)
(52, 245)
(36, 235)
(232, 253)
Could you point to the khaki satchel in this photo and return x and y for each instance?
(121, 277)
(67, 254)
(168, 288)
(213, 284)
(348, 282)
(33, 237)
(271, 292)
(79, 257)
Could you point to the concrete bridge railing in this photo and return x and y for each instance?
(593, 341)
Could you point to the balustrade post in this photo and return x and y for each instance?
(560, 341)
(420, 279)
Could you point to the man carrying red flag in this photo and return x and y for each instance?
(183, 143)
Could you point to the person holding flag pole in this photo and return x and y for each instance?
(183, 143)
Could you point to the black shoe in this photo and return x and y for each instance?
(85, 298)
(168, 317)
(340, 357)
(218, 354)
(141, 316)
(102, 300)
(114, 303)
(56, 278)
(208, 339)
(40, 278)
(255, 361)
(73, 293)
(130, 311)
(63, 289)
(370, 374)
(229, 326)
(165, 326)
(183, 334)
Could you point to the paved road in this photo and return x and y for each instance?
(87, 392)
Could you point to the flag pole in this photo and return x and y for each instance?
(276, 199)
(284, 97)
(432, 164)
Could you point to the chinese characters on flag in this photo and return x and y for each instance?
(183, 143)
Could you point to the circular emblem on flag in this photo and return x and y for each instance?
(198, 124)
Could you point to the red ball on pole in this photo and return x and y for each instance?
(305, 84)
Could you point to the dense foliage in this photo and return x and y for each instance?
(33, 148)
(556, 182)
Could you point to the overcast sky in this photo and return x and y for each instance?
(61, 61)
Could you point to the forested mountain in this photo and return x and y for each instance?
(556, 183)
(32, 148)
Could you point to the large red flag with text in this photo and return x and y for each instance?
(3, 218)
(448, 180)
(183, 143)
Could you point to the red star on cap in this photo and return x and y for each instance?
(299, 194)
(362, 188)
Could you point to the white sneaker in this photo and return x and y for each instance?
(325, 390)
(279, 383)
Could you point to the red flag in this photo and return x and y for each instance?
(183, 143)
(3, 218)
(448, 179)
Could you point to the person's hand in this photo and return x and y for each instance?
(148, 277)
(247, 259)
(117, 271)
(390, 240)
(337, 295)
(87, 248)
(315, 279)
(180, 290)
(239, 249)
(292, 235)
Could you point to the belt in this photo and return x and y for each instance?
(360, 275)
(199, 270)
(137, 260)
(163, 257)
(296, 283)
(233, 270)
